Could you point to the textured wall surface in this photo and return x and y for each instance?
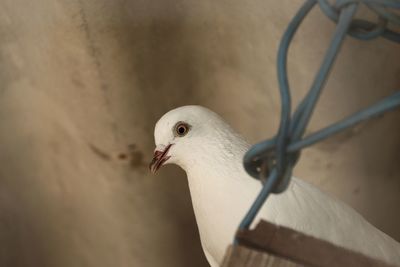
(82, 80)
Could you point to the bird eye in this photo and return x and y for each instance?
(181, 129)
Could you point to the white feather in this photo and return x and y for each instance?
(222, 192)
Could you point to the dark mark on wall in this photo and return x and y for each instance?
(136, 157)
(99, 152)
(132, 156)
(356, 191)
(94, 52)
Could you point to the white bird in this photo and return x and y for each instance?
(211, 153)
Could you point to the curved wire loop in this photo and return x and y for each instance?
(272, 161)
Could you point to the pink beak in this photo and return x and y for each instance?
(159, 158)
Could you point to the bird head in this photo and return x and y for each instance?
(186, 136)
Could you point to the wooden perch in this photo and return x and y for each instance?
(241, 256)
(269, 245)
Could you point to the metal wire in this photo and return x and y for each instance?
(272, 161)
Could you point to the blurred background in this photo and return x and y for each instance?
(82, 81)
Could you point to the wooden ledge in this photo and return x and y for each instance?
(271, 245)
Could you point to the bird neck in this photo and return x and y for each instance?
(217, 181)
(219, 157)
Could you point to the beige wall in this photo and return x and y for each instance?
(82, 80)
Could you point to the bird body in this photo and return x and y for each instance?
(211, 153)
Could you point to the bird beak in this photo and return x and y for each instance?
(159, 158)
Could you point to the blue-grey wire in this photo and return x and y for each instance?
(281, 152)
